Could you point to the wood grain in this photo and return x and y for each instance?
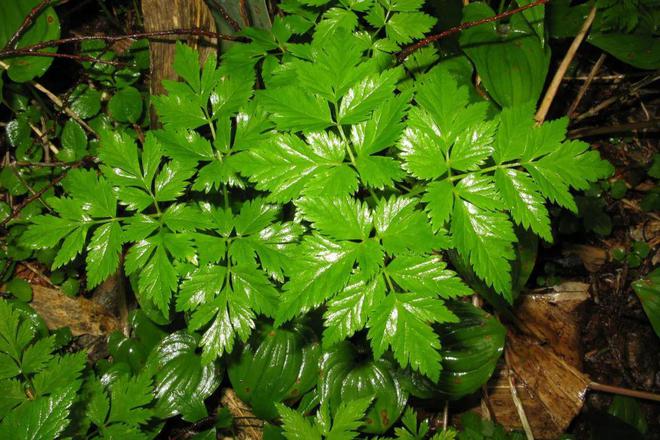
(172, 14)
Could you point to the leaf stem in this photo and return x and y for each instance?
(210, 122)
(484, 170)
(352, 156)
(388, 280)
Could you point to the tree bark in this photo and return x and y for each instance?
(173, 14)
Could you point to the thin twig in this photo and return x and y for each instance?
(79, 58)
(44, 139)
(653, 125)
(593, 111)
(38, 273)
(27, 22)
(137, 35)
(41, 164)
(583, 89)
(489, 406)
(19, 207)
(58, 102)
(226, 17)
(29, 188)
(445, 416)
(563, 67)
(595, 386)
(456, 29)
(517, 402)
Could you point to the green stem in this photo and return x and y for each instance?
(389, 282)
(352, 156)
(225, 194)
(210, 122)
(484, 170)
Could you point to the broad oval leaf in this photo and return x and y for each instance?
(45, 27)
(181, 381)
(509, 57)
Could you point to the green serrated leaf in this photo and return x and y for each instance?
(348, 312)
(427, 275)
(294, 109)
(103, 253)
(485, 239)
(341, 218)
(523, 197)
(402, 322)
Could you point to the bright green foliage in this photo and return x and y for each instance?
(474, 427)
(120, 409)
(306, 172)
(45, 27)
(228, 260)
(182, 383)
(449, 144)
(630, 411)
(414, 430)
(343, 426)
(511, 58)
(38, 385)
(276, 365)
(211, 208)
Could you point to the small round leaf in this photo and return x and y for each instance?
(126, 105)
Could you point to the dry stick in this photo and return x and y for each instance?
(58, 102)
(456, 29)
(18, 208)
(563, 67)
(27, 22)
(516, 400)
(587, 83)
(43, 138)
(38, 273)
(445, 416)
(593, 111)
(653, 124)
(595, 386)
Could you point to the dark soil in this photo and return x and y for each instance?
(619, 345)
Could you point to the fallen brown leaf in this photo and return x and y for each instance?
(592, 257)
(553, 316)
(247, 426)
(548, 384)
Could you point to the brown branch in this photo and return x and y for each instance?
(632, 91)
(653, 125)
(225, 16)
(18, 163)
(461, 27)
(624, 391)
(18, 208)
(80, 58)
(27, 22)
(585, 86)
(149, 35)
